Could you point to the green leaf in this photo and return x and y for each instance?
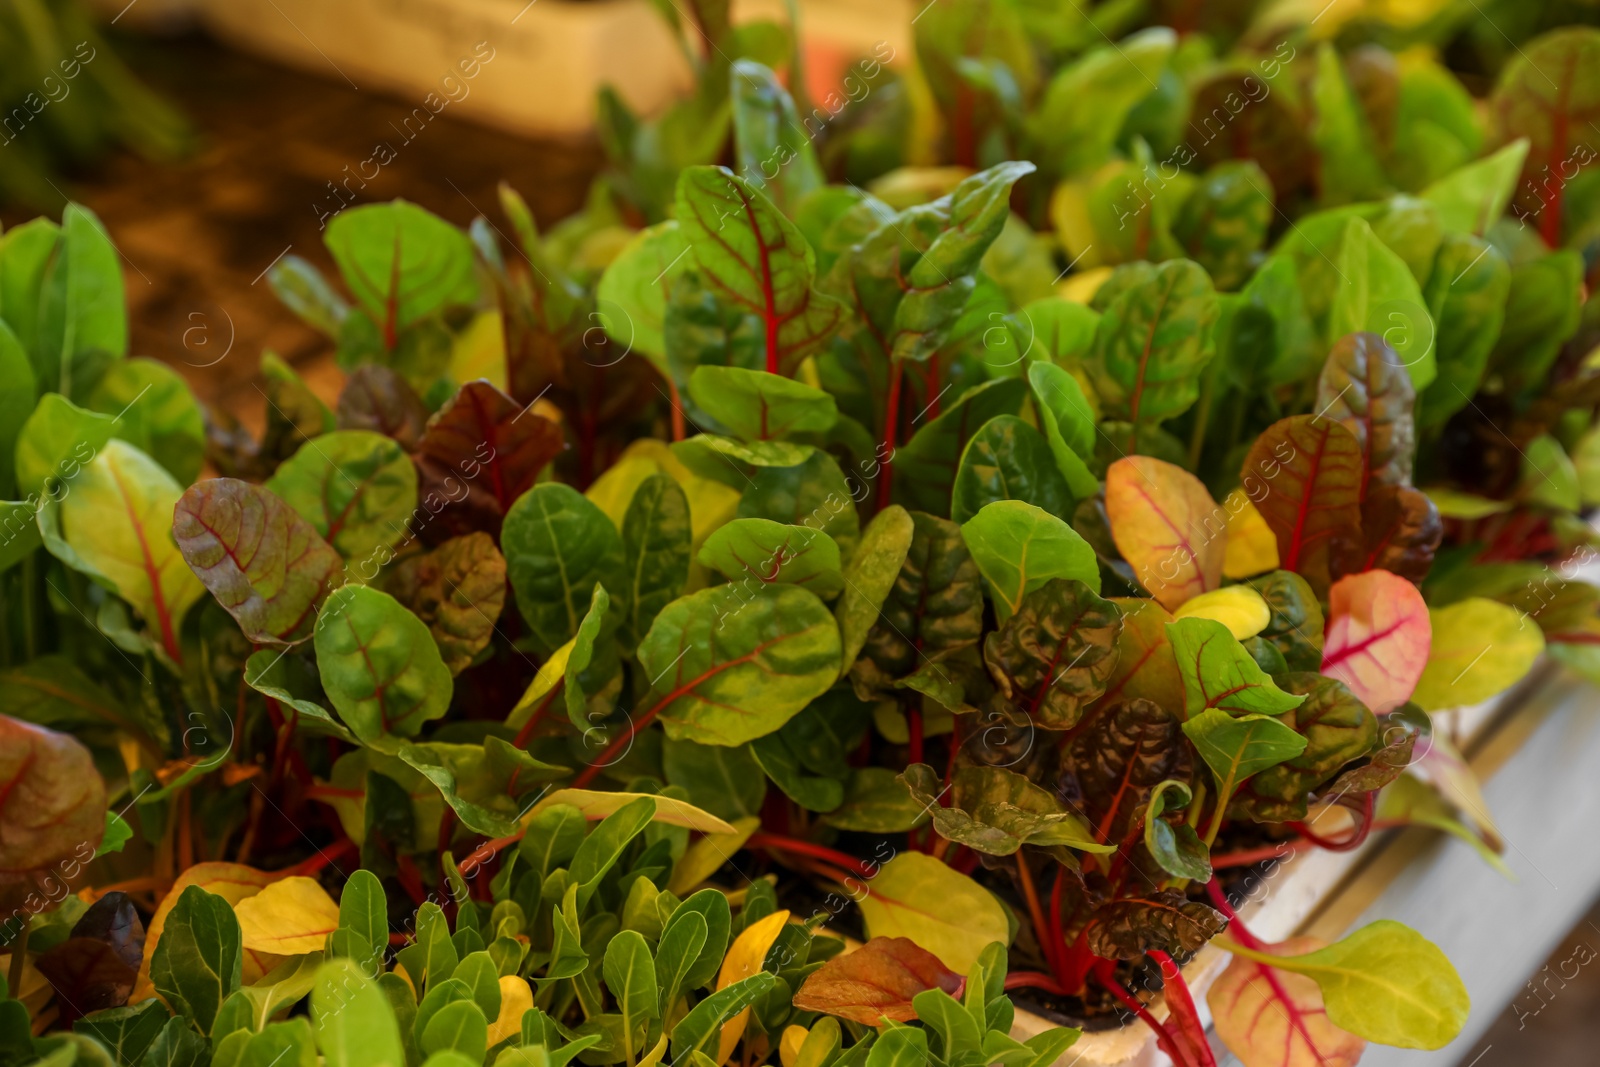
(815, 493)
(1350, 167)
(458, 1026)
(156, 413)
(557, 545)
(83, 317)
(1175, 845)
(286, 566)
(877, 801)
(656, 544)
(480, 782)
(777, 758)
(1338, 729)
(775, 153)
(727, 782)
(1019, 547)
(1466, 295)
(732, 665)
(458, 590)
(1223, 223)
(1479, 648)
(633, 292)
(1237, 747)
(940, 909)
(758, 406)
(1542, 311)
(592, 663)
(757, 259)
(357, 488)
(401, 263)
(996, 811)
(924, 467)
(1472, 198)
(1377, 293)
(178, 1046)
(56, 442)
(870, 576)
(729, 461)
(1218, 674)
(1116, 77)
(379, 665)
(751, 553)
(1053, 656)
(1068, 423)
(1385, 982)
(431, 957)
(116, 520)
(283, 678)
(198, 959)
(1008, 460)
(701, 1029)
(282, 987)
(364, 911)
(117, 834)
(630, 977)
(126, 1032)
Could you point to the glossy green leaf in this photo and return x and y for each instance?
(727, 782)
(1466, 296)
(379, 664)
(1218, 674)
(1338, 730)
(630, 977)
(996, 811)
(1378, 293)
(1008, 460)
(557, 545)
(1471, 198)
(1236, 747)
(1116, 77)
(197, 961)
(401, 262)
(1175, 845)
(55, 443)
(816, 494)
(83, 317)
(733, 462)
(156, 413)
(656, 541)
(727, 665)
(1068, 423)
(755, 552)
(1019, 547)
(775, 153)
(870, 575)
(758, 406)
(633, 292)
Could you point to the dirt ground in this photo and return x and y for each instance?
(199, 234)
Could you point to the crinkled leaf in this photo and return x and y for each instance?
(1400, 532)
(875, 982)
(1338, 729)
(557, 545)
(876, 801)
(380, 665)
(1053, 657)
(1164, 921)
(816, 493)
(1296, 625)
(755, 552)
(263, 562)
(1365, 387)
(1167, 527)
(996, 811)
(1007, 460)
(1122, 757)
(457, 590)
(728, 665)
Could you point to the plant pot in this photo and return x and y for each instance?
(1306, 893)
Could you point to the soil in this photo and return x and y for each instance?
(198, 234)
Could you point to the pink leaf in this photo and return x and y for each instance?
(1378, 638)
(1272, 1018)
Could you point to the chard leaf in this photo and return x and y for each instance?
(1296, 625)
(178, 1045)
(1122, 757)
(1019, 548)
(376, 398)
(924, 466)
(630, 976)
(1364, 386)
(128, 1031)
(1542, 312)
(1378, 293)
(1466, 296)
(83, 319)
(870, 576)
(1236, 747)
(1068, 423)
(876, 801)
(757, 259)
(701, 1029)
(592, 664)
(558, 544)
(1385, 982)
(996, 811)
(777, 758)
(1153, 341)
(1378, 638)
(291, 917)
(757, 406)
(1223, 223)
(634, 290)
(1175, 845)
(402, 263)
(875, 982)
(729, 461)
(728, 666)
(356, 488)
(1146, 667)
(1008, 460)
(165, 423)
(264, 563)
(458, 591)
(1275, 1017)
(940, 909)
(196, 964)
(1338, 729)
(116, 519)
(1218, 674)
(656, 541)
(55, 810)
(1167, 527)
(379, 664)
(479, 454)
(1116, 77)
(1479, 648)
(1053, 656)
(816, 493)
(755, 552)
(1165, 921)
(1472, 198)
(1350, 170)
(1400, 532)
(774, 152)
(935, 604)
(1313, 473)
(55, 442)
(727, 782)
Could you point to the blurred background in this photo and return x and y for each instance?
(215, 137)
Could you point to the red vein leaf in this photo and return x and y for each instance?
(1378, 638)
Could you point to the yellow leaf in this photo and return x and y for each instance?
(232, 882)
(1081, 285)
(613, 491)
(653, 1057)
(938, 907)
(1480, 647)
(516, 997)
(117, 515)
(711, 504)
(1453, 504)
(1146, 667)
(1166, 526)
(1252, 546)
(551, 671)
(789, 1044)
(289, 917)
(745, 957)
(1238, 607)
(597, 804)
(479, 351)
(709, 854)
